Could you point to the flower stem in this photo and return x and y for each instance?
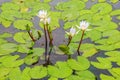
(46, 43)
(80, 42)
(50, 44)
(31, 36)
(70, 38)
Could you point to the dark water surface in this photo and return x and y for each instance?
(59, 38)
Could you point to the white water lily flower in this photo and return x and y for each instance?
(83, 25)
(72, 32)
(42, 14)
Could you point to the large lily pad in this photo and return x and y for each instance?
(82, 63)
(60, 70)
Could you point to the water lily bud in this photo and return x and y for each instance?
(72, 32)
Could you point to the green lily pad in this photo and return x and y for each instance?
(115, 72)
(4, 71)
(106, 77)
(38, 72)
(102, 64)
(67, 5)
(101, 8)
(5, 35)
(7, 48)
(21, 37)
(21, 24)
(82, 63)
(60, 70)
(101, 0)
(2, 41)
(9, 6)
(15, 74)
(107, 33)
(5, 60)
(86, 75)
(97, 35)
(73, 77)
(115, 12)
(10, 15)
(53, 78)
(31, 59)
(25, 74)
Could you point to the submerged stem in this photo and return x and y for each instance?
(80, 42)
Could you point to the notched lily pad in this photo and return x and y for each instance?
(38, 72)
(102, 64)
(21, 24)
(60, 70)
(22, 37)
(82, 63)
(101, 8)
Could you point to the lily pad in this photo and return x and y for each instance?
(82, 63)
(102, 64)
(21, 24)
(86, 75)
(21, 37)
(38, 72)
(101, 8)
(60, 70)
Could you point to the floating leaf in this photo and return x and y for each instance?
(25, 74)
(21, 24)
(108, 33)
(67, 5)
(97, 35)
(2, 41)
(82, 63)
(5, 35)
(7, 48)
(22, 37)
(5, 60)
(47, 1)
(60, 70)
(31, 59)
(101, 8)
(10, 15)
(115, 72)
(4, 71)
(115, 12)
(114, 1)
(101, 0)
(38, 51)
(86, 75)
(6, 23)
(102, 64)
(15, 74)
(106, 77)
(53, 78)
(68, 25)
(73, 77)
(9, 6)
(38, 72)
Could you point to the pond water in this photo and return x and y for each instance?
(59, 38)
